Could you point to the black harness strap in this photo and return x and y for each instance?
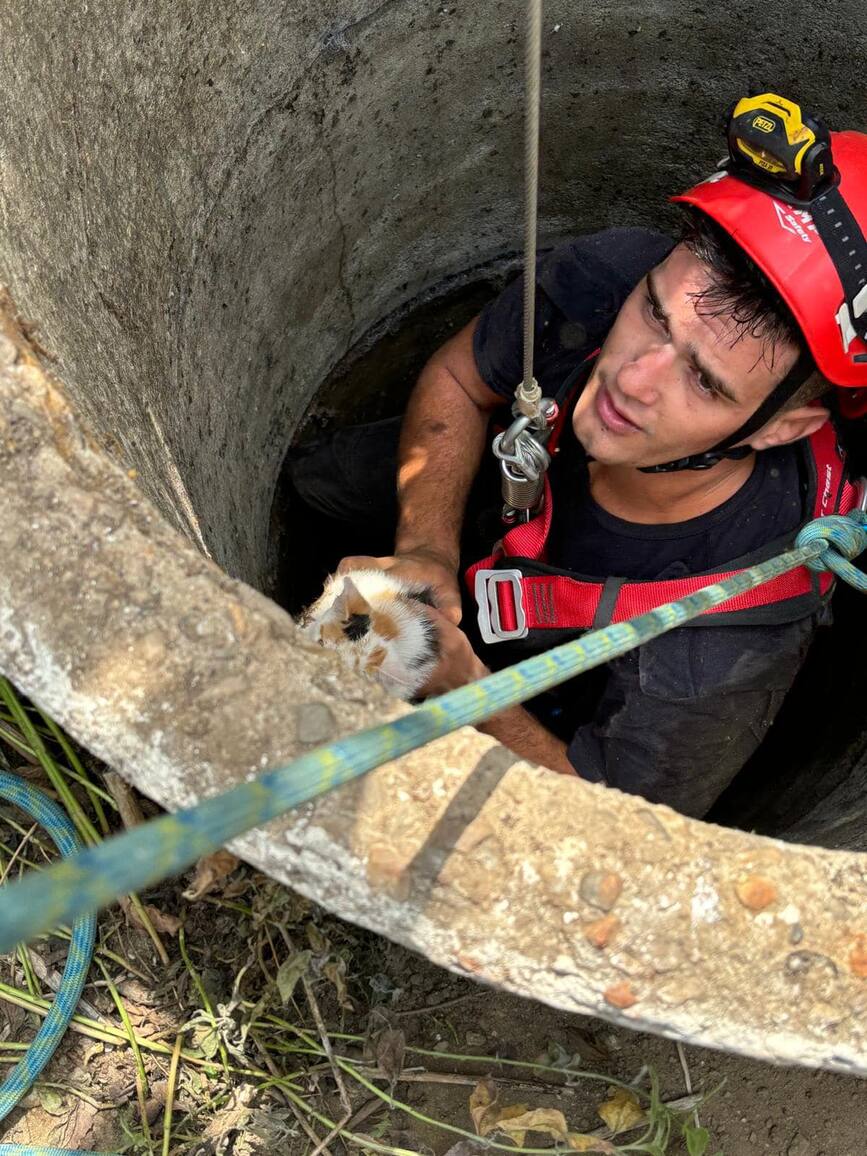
(842, 237)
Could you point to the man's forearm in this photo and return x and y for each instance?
(520, 732)
(441, 446)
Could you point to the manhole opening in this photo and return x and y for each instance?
(816, 743)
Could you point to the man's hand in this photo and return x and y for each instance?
(515, 728)
(418, 566)
(458, 664)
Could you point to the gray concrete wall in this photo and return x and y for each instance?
(205, 205)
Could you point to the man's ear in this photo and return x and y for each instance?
(790, 426)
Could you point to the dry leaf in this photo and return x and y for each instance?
(515, 1121)
(317, 940)
(236, 888)
(91, 1052)
(290, 972)
(622, 1111)
(162, 922)
(50, 1101)
(335, 970)
(232, 1116)
(482, 1100)
(390, 1049)
(209, 871)
(578, 1142)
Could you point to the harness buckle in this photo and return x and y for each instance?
(490, 624)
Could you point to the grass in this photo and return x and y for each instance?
(239, 1038)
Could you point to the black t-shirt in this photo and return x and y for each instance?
(587, 539)
(580, 289)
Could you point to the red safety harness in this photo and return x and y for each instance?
(518, 593)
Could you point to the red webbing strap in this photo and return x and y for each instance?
(555, 602)
(833, 491)
(526, 540)
(849, 498)
(639, 597)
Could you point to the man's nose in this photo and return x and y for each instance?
(641, 377)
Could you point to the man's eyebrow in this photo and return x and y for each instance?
(718, 384)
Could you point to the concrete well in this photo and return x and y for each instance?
(206, 208)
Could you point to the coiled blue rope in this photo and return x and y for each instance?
(93, 877)
(41, 1150)
(63, 834)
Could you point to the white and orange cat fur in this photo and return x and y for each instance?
(378, 625)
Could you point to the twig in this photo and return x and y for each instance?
(108, 1035)
(127, 804)
(326, 1044)
(423, 1077)
(322, 1146)
(681, 1055)
(203, 996)
(170, 1095)
(432, 1009)
(100, 1105)
(323, 1031)
(364, 1111)
(53, 978)
(275, 1072)
(308, 1131)
(141, 1082)
(18, 851)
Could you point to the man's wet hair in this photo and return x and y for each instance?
(739, 290)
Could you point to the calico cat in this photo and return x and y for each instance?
(378, 625)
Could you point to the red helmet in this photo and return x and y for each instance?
(807, 236)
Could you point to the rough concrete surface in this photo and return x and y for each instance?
(584, 898)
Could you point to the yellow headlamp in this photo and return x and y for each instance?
(773, 145)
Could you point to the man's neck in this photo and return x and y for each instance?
(633, 496)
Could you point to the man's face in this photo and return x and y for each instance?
(670, 382)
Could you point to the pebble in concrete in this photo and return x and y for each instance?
(316, 723)
(601, 889)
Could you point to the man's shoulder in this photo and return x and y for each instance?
(602, 266)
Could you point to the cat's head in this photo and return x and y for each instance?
(379, 626)
(342, 618)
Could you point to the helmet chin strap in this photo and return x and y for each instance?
(728, 448)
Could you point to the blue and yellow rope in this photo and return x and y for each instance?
(63, 834)
(91, 878)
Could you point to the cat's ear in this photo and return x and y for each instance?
(350, 600)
